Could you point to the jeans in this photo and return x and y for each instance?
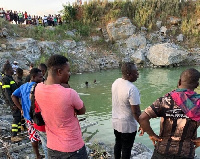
(43, 139)
(157, 155)
(79, 154)
(123, 143)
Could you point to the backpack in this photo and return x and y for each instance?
(35, 112)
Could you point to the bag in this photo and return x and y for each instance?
(35, 112)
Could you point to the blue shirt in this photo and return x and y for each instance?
(23, 92)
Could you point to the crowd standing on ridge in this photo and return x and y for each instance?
(49, 107)
(25, 18)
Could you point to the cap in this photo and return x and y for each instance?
(15, 62)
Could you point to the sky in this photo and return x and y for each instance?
(35, 7)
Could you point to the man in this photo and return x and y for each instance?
(8, 86)
(23, 93)
(28, 78)
(43, 68)
(125, 110)
(180, 116)
(60, 107)
(15, 66)
(19, 77)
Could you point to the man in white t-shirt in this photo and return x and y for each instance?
(125, 110)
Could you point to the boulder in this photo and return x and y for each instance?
(23, 43)
(69, 44)
(122, 28)
(173, 20)
(179, 37)
(163, 30)
(158, 24)
(166, 54)
(138, 56)
(3, 46)
(4, 32)
(70, 33)
(95, 38)
(136, 41)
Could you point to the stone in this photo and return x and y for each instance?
(3, 46)
(122, 28)
(180, 37)
(158, 24)
(166, 54)
(138, 57)
(163, 30)
(173, 20)
(70, 33)
(136, 41)
(69, 44)
(95, 38)
(5, 32)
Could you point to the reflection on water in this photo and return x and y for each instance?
(152, 84)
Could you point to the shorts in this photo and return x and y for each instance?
(33, 134)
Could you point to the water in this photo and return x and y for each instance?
(152, 83)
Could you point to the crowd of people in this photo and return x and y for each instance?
(48, 94)
(25, 18)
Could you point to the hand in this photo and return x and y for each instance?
(141, 131)
(21, 112)
(196, 142)
(155, 139)
(75, 113)
(14, 107)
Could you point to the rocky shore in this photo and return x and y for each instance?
(122, 42)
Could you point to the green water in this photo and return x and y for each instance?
(152, 84)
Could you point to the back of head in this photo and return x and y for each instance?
(127, 68)
(7, 67)
(56, 62)
(19, 72)
(190, 78)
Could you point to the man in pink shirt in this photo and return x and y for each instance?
(59, 108)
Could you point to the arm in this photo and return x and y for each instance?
(7, 90)
(81, 111)
(145, 125)
(136, 112)
(16, 101)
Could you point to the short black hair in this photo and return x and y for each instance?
(19, 71)
(42, 65)
(127, 68)
(190, 77)
(56, 62)
(34, 72)
(6, 67)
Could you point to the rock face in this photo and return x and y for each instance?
(136, 41)
(166, 54)
(122, 28)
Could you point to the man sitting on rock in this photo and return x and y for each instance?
(180, 117)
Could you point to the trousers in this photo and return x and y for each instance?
(123, 144)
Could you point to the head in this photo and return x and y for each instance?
(189, 79)
(15, 62)
(43, 68)
(7, 68)
(36, 75)
(19, 72)
(129, 71)
(58, 68)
